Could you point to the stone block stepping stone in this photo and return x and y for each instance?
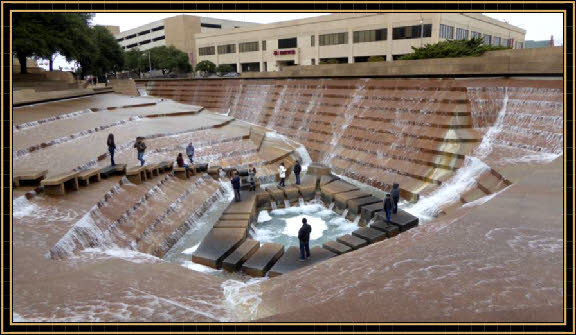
(352, 241)
(59, 184)
(355, 205)
(165, 166)
(136, 174)
(370, 234)
(263, 259)
(235, 216)
(276, 194)
(232, 224)
(341, 199)
(246, 206)
(152, 171)
(402, 219)
(32, 177)
(180, 172)
(325, 180)
(290, 260)
(390, 229)
(234, 262)
(112, 169)
(367, 211)
(263, 198)
(329, 191)
(336, 247)
(318, 170)
(307, 187)
(201, 167)
(217, 245)
(243, 172)
(89, 176)
(291, 193)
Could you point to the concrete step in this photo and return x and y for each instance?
(329, 191)
(355, 205)
(307, 187)
(352, 241)
(336, 247)
(370, 234)
(341, 199)
(217, 245)
(390, 229)
(263, 259)
(290, 260)
(368, 211)
(235, 260)
(402, 219)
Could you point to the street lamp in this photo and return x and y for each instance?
(421, 31)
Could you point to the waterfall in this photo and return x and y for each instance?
(356, 220)
(277, 108)
(301, 202)
(345, 213)
(273, 205)
(286, 203)
(485, 148)
(331, 206)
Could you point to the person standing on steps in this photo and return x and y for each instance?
(395, 194)
(111, 147)
(252, 177)
(304, 237)
(282, 174)
(190, 152)
(297, 170)
(388, 207)
(140, 147)
(180, 163)
(235, 180)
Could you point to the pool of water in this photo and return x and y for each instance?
(282, 225)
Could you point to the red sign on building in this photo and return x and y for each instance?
(284, 52)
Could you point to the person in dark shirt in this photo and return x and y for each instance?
(235, 180)
(140, 147)
(297, 170)
(304, 237)
(388, 205)
(395, 194)
(111, 147)
(180, 163)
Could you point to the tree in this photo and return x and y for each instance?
(205, 67)
(44, 34)
(110, 56)
(222, 69)
(450, 49)
(376, 59)
(134, 60)
(169, 59)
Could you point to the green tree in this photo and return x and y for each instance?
(169, 59)
(110, 56)
(205, 67)
(45, 34)
(450, 49)
(135, 60)
(222, 69)
(376, 59)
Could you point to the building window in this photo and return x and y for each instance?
(313, 61)
(143, 32)
(340, 60)
(496, 41)
(145, 42)
(248, 46)
(375, 58)
(250, 67)
(475, 34)
(264, 45)
(409, 32)
(487, 39)
(159, 38)
(207, 51)
(130, 36)
(287, 43)
(132, 45)
(333, 39)
(461, 34)
(158, 28)
(504, 42)
(396, 57)
(313, 40)
(370, 35)
(519, 45)
(120, 39)
(210, 25)
(227, 49)
(446, 32)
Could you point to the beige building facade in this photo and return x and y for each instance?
(345, 38)
(177, 31)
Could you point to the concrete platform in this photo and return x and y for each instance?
(276, 194)
(181, 173)
(291, 192)
(352, 241)
(355, 205)
(246, 206)
(307, 187)
(263, 198)
(201, 167)
(235, 217)
(217, 245)
(336, 247)
(235, 260)
(112, 169)
(89, 176)
(152, 170)
(165, 166)
(232, 224)
(290, 260)
(136, 174)
(368, 211)
(318, 170)
(341, 199)
(402, 219)
(329, 191)
(325, 180)
(263, 259)
(59, 184)
(370, 234)
(390, 229)
(28, 176)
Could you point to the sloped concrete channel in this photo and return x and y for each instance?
(229, 245)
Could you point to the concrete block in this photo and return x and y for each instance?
(217, 245)
(402, 219)
(390, 229)
(355, 205)
(369, 234)
(290, 260)
(352, 241)
(235, 260)
(263, 259)
(336, 247)
(341, 199)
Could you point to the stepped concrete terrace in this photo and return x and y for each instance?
(478, 161)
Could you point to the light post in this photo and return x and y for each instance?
(149, 65)
(421, 31)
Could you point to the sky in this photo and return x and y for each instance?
(538, 26)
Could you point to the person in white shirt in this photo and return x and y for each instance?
(282, 173)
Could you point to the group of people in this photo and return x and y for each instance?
(140, 147)
(282, 173)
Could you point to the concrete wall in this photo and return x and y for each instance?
(548, 61)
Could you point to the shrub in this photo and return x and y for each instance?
(452, 49)
(205, 67)
(222, 69)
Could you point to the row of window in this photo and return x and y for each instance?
(140, 33)
(145, 42)
(447, 32)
